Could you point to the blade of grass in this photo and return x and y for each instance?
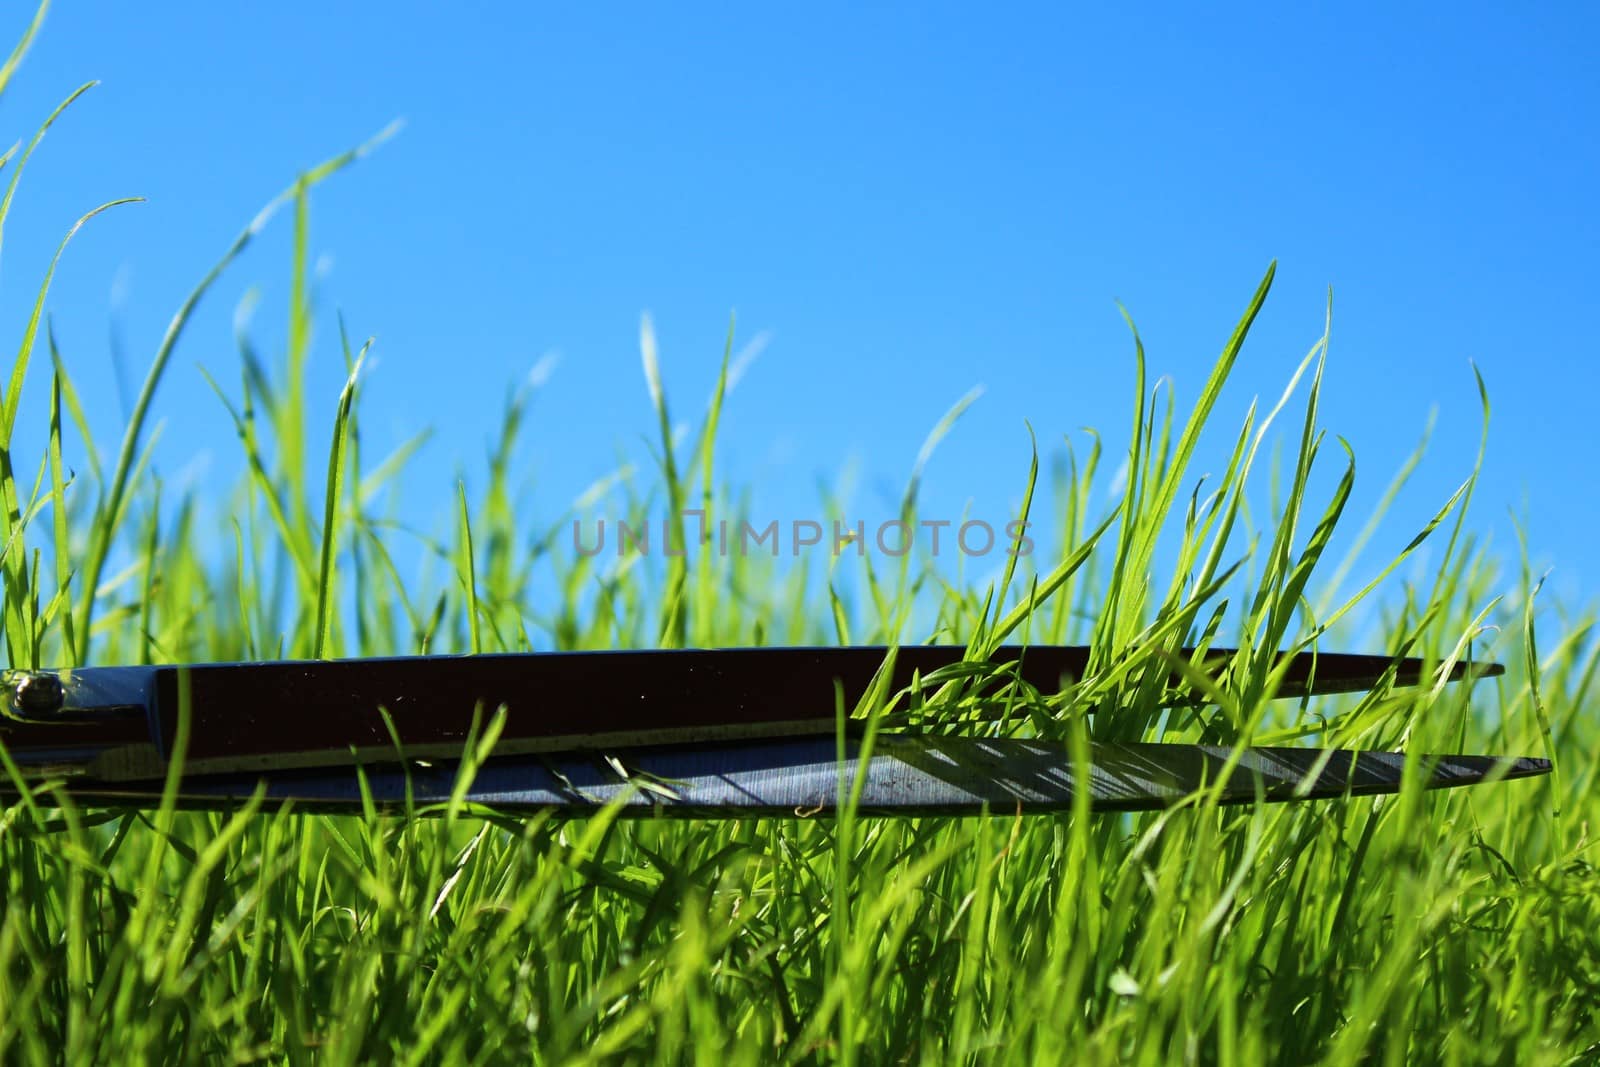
(110, 516)
(326, 592)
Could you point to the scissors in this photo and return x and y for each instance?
(700, 732)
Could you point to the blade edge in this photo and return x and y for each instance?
(905, 776)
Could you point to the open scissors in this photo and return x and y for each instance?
(708, 732)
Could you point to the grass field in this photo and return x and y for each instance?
(1456, 928)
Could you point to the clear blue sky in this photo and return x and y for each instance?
(911, 201)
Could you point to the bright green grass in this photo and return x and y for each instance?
(1449, 928)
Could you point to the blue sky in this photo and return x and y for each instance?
(907, 202)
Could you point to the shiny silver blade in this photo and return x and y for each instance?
(905, 775)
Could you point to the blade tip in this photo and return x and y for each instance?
(1475, 669)
(1529, 766)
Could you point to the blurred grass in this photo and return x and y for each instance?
(1455, 928)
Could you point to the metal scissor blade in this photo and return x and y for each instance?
(904, 775)
(249, 717)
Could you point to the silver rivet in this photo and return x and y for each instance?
(37, 693)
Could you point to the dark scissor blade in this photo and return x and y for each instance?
(249, 717)
(904, 775)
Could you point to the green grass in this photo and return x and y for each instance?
(1453, 928)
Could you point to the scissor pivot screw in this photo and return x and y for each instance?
(36, 694)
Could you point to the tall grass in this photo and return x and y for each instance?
(1443, 928)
